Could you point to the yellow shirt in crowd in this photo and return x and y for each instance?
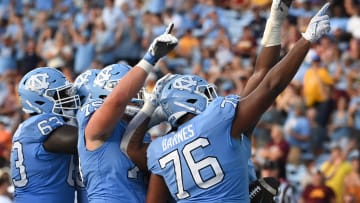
(315, 80)
(335, 176)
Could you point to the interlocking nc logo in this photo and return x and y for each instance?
(38, 82)
(83, 79)
(184, 83)
(103, 76)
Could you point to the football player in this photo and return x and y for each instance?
(83, 84)
(205, 157)
(268, 57)
(41, 168)
(108, 174)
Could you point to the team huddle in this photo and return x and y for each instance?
(88, 141)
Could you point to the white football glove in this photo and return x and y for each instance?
(152, 100)
(279, 10)
(319, 25)
(161, 46)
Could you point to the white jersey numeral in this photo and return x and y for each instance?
(133, 172)
(194, 167)
(19, 164)
(45, 127)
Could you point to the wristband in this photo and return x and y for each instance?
(145, 65)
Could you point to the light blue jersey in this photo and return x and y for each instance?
(108, 174)
(81, 194)
(74, 173)
(201, 162)
(39, 176)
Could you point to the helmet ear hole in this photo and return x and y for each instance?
(192, 101)
(39, 102)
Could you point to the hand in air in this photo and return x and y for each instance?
(161, 45)
(319, 25)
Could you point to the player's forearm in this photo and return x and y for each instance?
(109, 114)
(132, 143)
(281, 75)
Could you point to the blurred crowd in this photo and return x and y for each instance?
(309, 138)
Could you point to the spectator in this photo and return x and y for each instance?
(262, 132)
(296, 169)
(352, 180)
(5, 137)
(354, 21)
(297, 127)
(84, 49)
(354, 109)
(258, 23)
(4, 185)
(82, 19)
(318, 134)
(10, 105)
(30, 59)
(111, 15)
(246, 46)
(103, 40)
(277, 150)
(335, 169)
(317, 89)
(339, 127)
(317, 191)
(127, 38)
(7, 54)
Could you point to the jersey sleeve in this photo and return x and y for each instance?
(218, 118)
(221, 110)
(86, 110)
(38, 128)
(152, 154)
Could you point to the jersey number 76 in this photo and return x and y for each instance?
(194, 167)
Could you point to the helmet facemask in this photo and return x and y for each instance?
(66, 100)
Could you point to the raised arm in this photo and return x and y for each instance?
(250, 108)
(107, 116)
(132, 143)
(271, 44)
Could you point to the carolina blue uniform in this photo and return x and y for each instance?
(201, 162)
(108, 174)
(76, 180)
(39, 176)
(74, 173)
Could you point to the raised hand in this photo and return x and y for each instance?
(319, 25)
(279, 10)
(161, 46)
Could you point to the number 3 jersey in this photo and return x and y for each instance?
(201, 162)
(108, 174)
(39, 176)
